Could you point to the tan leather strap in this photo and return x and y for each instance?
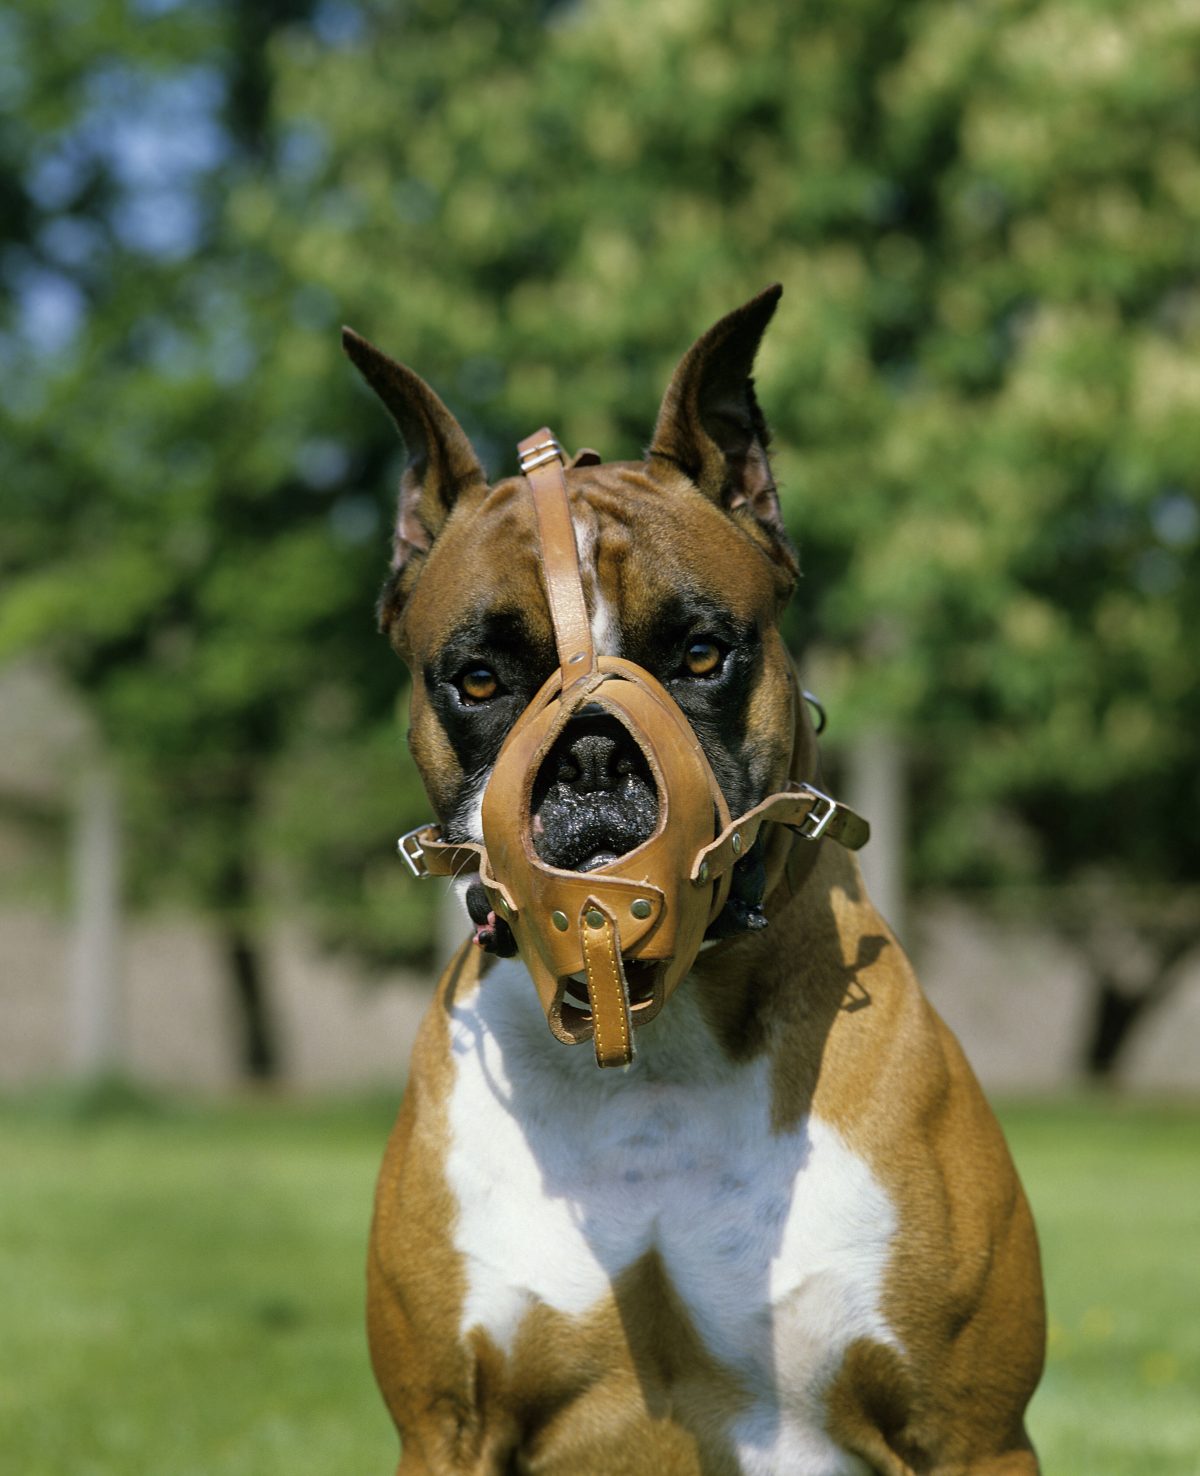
(813, 813)
(608, 991)
(543, 461)
(427, 854)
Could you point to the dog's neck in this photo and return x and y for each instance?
(789, 858)
(749, 985)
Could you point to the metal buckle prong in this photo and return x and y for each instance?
(539, 455)
(816, 822)
(411, 851)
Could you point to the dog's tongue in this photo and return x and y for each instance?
(492, 933)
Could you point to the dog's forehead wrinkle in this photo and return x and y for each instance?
(494, 628)
(504, 494)
(483, 565)
(647, 511)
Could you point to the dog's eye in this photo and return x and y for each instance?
(479, 684)
(703, 658)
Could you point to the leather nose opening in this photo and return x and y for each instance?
(595, 797)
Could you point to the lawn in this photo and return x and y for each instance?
(1115, 1190)
(181, 1293)
(181, 1287)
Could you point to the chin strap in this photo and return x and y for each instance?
(608, 989)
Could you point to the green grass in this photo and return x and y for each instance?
(181, 1288)
(181, 1293)
(1115, 1190)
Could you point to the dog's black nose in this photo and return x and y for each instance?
(594, 798)
(595, 755)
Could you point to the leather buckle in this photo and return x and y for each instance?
(816, 822)
(540, 455)
(412, 852)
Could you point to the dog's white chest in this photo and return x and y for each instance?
(564, 1175)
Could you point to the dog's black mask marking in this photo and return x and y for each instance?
(594, 798)
(501, 640)
(715, 706)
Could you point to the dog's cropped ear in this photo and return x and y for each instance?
(442, 464)
(711, 428)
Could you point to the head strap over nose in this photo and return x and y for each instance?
(543, 463)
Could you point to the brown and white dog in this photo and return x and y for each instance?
(788, 1238)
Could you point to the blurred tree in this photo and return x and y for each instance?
(986, 217)
(177, 537)
(982, 381)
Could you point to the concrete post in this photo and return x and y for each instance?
(94, 987)
(876, 789)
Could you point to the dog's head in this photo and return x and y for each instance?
(685, 566)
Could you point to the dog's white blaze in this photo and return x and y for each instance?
(768, 1446)
(564, 1175)
(474, 816)
(604, 627)
(605, 634)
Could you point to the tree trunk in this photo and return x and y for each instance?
(875, 787)
(1120, 1004)
(1114, 1014)
(94, 992)
(258, 1047)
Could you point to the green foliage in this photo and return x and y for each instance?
(982, 381)
(180, 537)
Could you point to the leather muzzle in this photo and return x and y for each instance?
(606, 947)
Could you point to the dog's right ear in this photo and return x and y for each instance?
(442, 464)
(711, 428)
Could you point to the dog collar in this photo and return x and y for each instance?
(606, 948)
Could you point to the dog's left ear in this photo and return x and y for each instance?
(711, 428)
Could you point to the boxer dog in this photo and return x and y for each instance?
(788, 1236)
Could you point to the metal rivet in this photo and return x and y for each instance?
(503, 908)
(559, 919)
(595, 919)
(736, 843)
(702, 874)
(641, 908)
(577, 658)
